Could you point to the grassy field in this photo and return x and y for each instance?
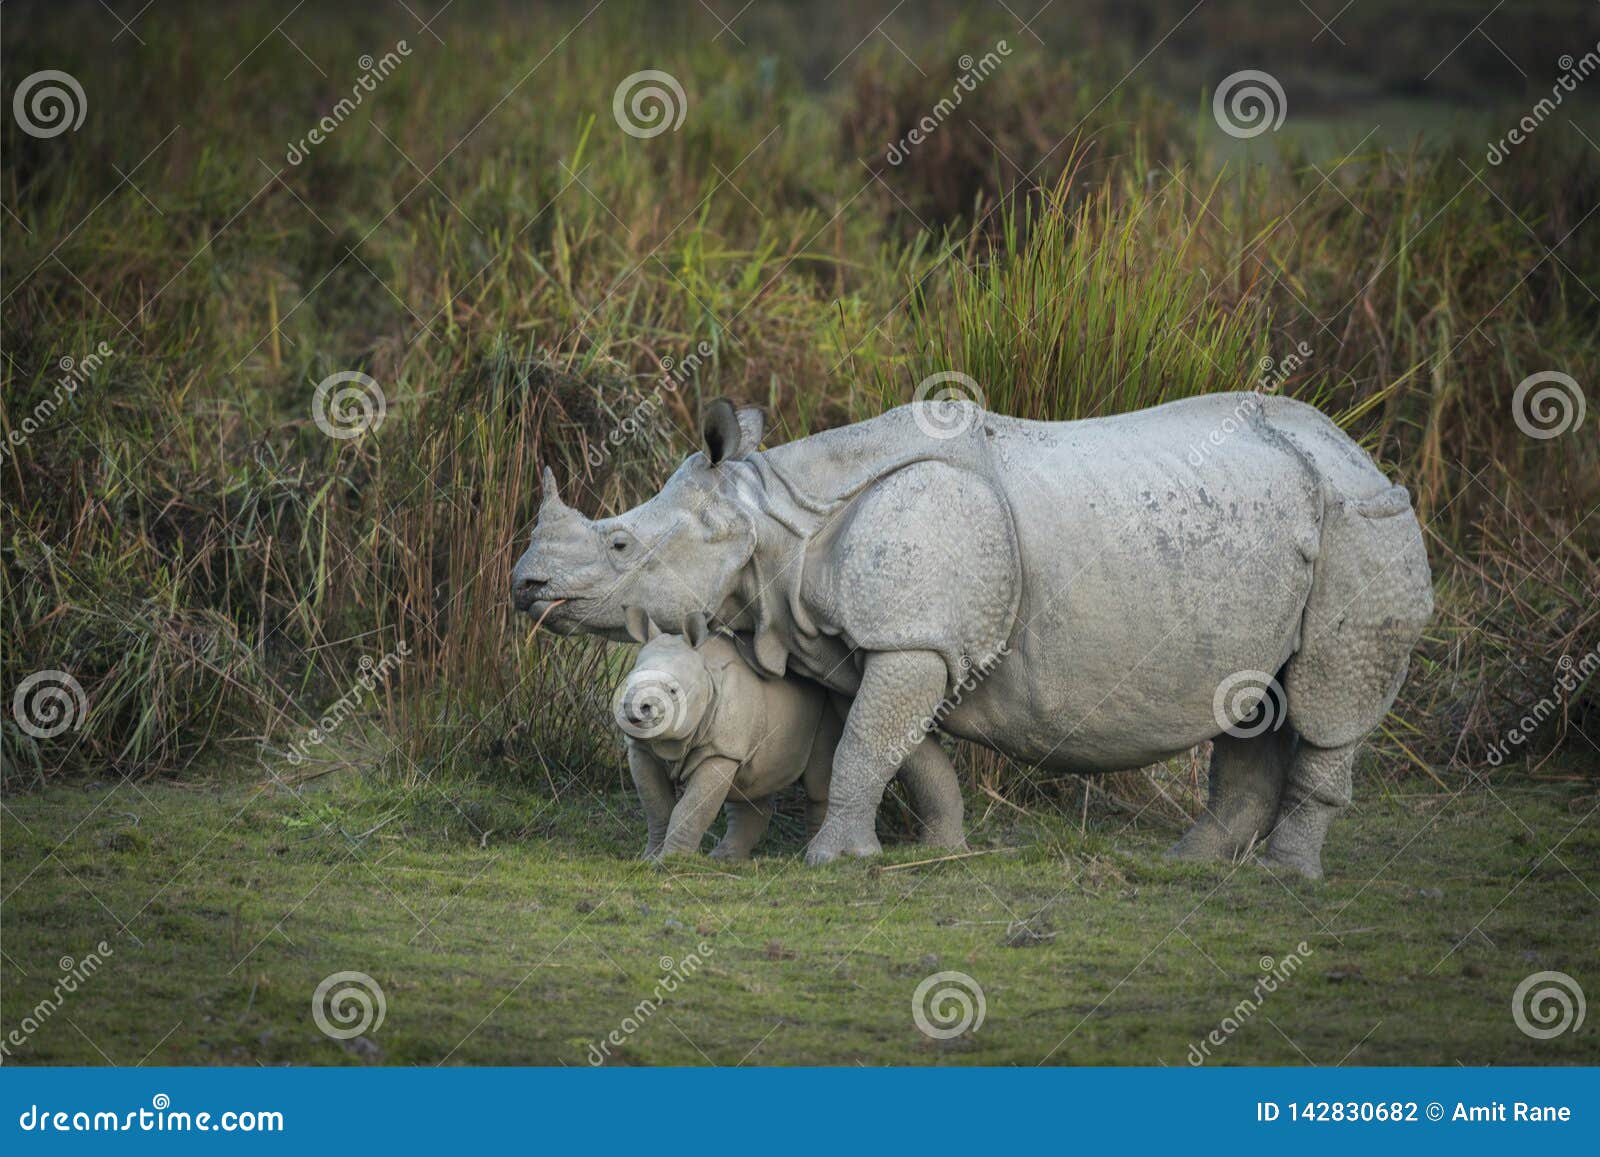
(507, 930)
(520, 280)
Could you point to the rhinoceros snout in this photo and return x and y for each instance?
(525, 590)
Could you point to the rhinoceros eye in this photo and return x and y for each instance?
(620, 546)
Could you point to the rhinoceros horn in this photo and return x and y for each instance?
(550, 502)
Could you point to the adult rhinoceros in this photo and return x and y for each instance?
(1115, 580)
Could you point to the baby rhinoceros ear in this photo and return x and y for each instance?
(641, 627)
(696, 629)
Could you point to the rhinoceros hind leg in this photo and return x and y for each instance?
(1318, 790)
(934, 791)
(1246, 780)
(747, 821)
(898, 690)
(1371, 596)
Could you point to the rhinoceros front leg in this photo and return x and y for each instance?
(703, 797)
(899, 689)
(931, 783)
(655, 795)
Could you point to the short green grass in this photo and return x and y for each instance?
(508, 928)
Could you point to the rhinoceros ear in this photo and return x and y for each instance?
(641, 627)
(719, 432)
(752, 424)
(726, 433)
(695, 629)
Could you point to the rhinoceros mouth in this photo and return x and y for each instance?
(551, 604)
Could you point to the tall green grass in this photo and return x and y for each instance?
(1089, 308)
(212, 568)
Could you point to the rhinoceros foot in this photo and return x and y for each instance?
(1205, 841)
(834, 841)
(1307, 864)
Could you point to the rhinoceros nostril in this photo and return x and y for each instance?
(525, 592)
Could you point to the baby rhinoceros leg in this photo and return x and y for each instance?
(747, 821)
(819, 765)
(655, 796)
(702, 797)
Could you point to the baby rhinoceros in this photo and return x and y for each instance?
(700, 720)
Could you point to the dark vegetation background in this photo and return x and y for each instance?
(514, 271)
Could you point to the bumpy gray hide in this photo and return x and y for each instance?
(1080, 595)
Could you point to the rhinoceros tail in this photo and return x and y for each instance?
(1395, 500)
